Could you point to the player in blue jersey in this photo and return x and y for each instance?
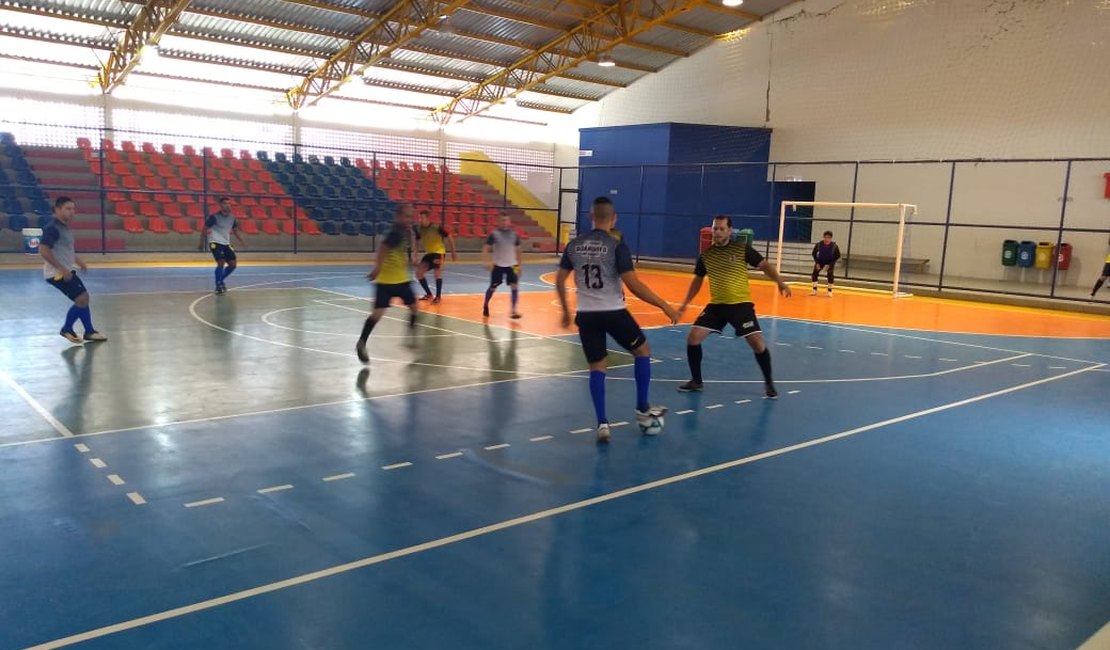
(602, 267)
(218, 230)
(59, 261)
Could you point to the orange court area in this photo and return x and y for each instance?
(847, 306)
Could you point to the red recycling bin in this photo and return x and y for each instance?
(1063, 257)
(706, 239)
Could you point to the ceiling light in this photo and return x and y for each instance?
(732, 3)
(605, 60)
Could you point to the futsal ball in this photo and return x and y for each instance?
(652, 426)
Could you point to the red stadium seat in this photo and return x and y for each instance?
(168, 149)
(270, 228)
(248, 226)
(132, 225)
(156, 225)
(182, 226)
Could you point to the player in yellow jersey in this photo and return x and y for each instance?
(391, 275)
(434, 238)
(727, 263)
(1102, 278)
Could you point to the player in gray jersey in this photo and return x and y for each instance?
(218, 229)
(602, 266)
(59, 260)
(501, 253)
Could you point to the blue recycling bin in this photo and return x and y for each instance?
(31, 239)
(1027, 253)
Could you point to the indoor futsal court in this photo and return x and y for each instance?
(225, 473)
(238, 456)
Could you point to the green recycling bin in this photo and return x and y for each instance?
(1009, 252)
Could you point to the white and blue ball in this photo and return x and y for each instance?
(651, 426)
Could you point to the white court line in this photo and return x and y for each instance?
(97, 463)
(1021, 365)
(338, 477)
(1057, 367)
(743, 401)
(136, 498)
(921, 375)
(614, 425)
(911, 356)
(677, 359)
(454, 454)
(540, 438)
(519, 521)
(396, 466)
(914, 337)
(500, 446)
(276, 488)
(848, 351)
(33, 403)
(205, 502)
(1100, 640)
(684, 412)
(586, 430)
(793, 392)
(785, 345)
(814, 347)
(266, 319)
(714, 406)
(948, 360)
(879, 354)
(115, 479)
(82, 448)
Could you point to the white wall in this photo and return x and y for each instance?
(934, 79)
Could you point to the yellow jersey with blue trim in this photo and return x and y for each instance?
(727, 267)
(433, 237)
(395, 266)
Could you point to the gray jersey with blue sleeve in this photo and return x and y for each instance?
(597, 260)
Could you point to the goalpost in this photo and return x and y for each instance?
(878, 242)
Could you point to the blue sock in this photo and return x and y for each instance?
(597, 394)
(71, 317)
(228, 270)
(219, 275)
(642, 369)
(85, 314)
(489, 294)
(516, 293)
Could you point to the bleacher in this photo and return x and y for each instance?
(156, 193)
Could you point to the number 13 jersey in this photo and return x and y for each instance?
(597, 260)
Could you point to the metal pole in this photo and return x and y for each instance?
(851, 223)
(1060, 232)
(640, 215)
(947, 226)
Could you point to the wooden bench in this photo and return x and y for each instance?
(909, 264)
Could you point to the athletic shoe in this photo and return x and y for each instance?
(71, 336)
(690, 387)
(485, 312)
(426, 296)
(771, 392)
(603, 433)
(813, 292)
(515, 314)
(95, 336)
(360, 350)
(435, 301)
(829, 294)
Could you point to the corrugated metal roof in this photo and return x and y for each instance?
(279, 41)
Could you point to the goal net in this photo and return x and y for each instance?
(873, 239)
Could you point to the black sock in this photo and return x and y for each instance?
(412, 320)
(439, 286)
(367, 327)
(764, 361)
(424, 285)
(1098, 285)
(693, 357)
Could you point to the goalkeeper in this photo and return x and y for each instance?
(825, 255)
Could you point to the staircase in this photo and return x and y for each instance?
(536, 239)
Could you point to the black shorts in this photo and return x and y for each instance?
(501, 274)
(740, 315)
(593, 326)
(222, 252)
(384, 293)
(72, 287)
(1106, 269)
(432, 260)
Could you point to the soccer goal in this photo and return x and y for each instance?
(873, 239)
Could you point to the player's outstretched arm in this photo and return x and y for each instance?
(643, 292)
(238, 232)
(695, 287)
(770, 272)
(561, 289)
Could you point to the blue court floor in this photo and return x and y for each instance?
(224, 473)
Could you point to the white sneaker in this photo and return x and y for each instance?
(603, 433)
(652, 412)
(813, 292)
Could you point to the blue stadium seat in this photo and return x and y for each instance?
(330, 227)
(280, 157)
(345, 162)
(349, 228)
(366, 228)
(328, 160)
(298, 158)
(17, 222)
